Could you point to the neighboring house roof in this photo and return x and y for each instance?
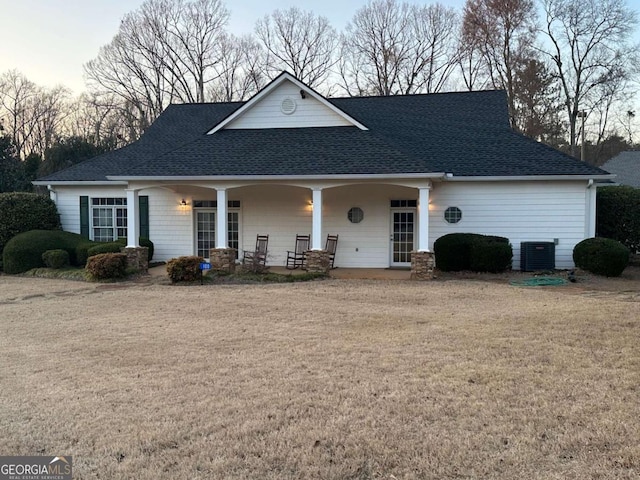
(463, 133)
(626, 166)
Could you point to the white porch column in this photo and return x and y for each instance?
(221, 222)
(133, 218)
(316, 226)
(423, 219)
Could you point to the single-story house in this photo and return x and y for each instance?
(626, 167)
(389, 175)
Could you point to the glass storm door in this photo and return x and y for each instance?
(402, 236)
(205, 232)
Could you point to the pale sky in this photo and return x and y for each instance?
(50, 40)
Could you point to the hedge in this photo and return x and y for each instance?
(490, 256)
(22, 212)
(618, 215)
(24, 251)
(104, 247)
(471, 251)
(27, 249)
(602, 256)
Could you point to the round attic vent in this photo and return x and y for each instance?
(288, 106)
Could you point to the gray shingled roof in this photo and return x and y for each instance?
(626, 166)
(463, 133)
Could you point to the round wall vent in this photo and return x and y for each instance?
(288, 106)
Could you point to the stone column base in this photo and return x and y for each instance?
(223, 259)
(318, 261)
(422, 265)
(137, 258)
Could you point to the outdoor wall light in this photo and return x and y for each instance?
(183, 202)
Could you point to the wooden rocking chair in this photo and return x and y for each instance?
(331, 246)
(256, 261)
(296, 258)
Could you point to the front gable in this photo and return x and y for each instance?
(287, 103)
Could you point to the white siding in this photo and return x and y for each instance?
(309, 112)
(275, 210)
(520, 211)
(364, 244)
(170, 226)
(282, 212)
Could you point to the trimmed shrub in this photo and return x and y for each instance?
(618, 215)
(107, 265)
(24, 251)
(490, 256)
(56, 258)
(453, 251)
(104, 247)
(81, 251)
(144, 242)
(184, 269)
(115, 247)
(471, 251)
(602, 256)
(27, 249)
(21, 212)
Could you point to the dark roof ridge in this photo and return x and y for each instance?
(205, 103)
(413, 95)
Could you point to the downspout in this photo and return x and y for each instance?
(590, 223)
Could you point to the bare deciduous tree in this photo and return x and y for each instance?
(242, 68)
(165, 51)
(391, 48)
(471, 65)
(100, 119)
(298, 41)
(31, 114)
(590, 51)
(503, 32)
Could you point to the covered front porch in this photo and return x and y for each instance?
(378, 224)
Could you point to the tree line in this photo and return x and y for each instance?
(566, 65)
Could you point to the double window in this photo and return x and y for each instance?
(108, 219)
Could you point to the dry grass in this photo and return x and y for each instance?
(323, 380)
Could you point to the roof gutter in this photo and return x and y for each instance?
(279, 177)
(77, 182)
(523, 178)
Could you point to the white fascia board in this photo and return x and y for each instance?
(524, 178)
(98, 183)
(280, 177)
(269, 88)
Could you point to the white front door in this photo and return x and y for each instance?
(403, 233)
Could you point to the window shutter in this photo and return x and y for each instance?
(143, 201)
(84, 216)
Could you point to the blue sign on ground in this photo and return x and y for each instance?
(205, 266)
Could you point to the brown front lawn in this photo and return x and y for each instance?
(337, 379)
